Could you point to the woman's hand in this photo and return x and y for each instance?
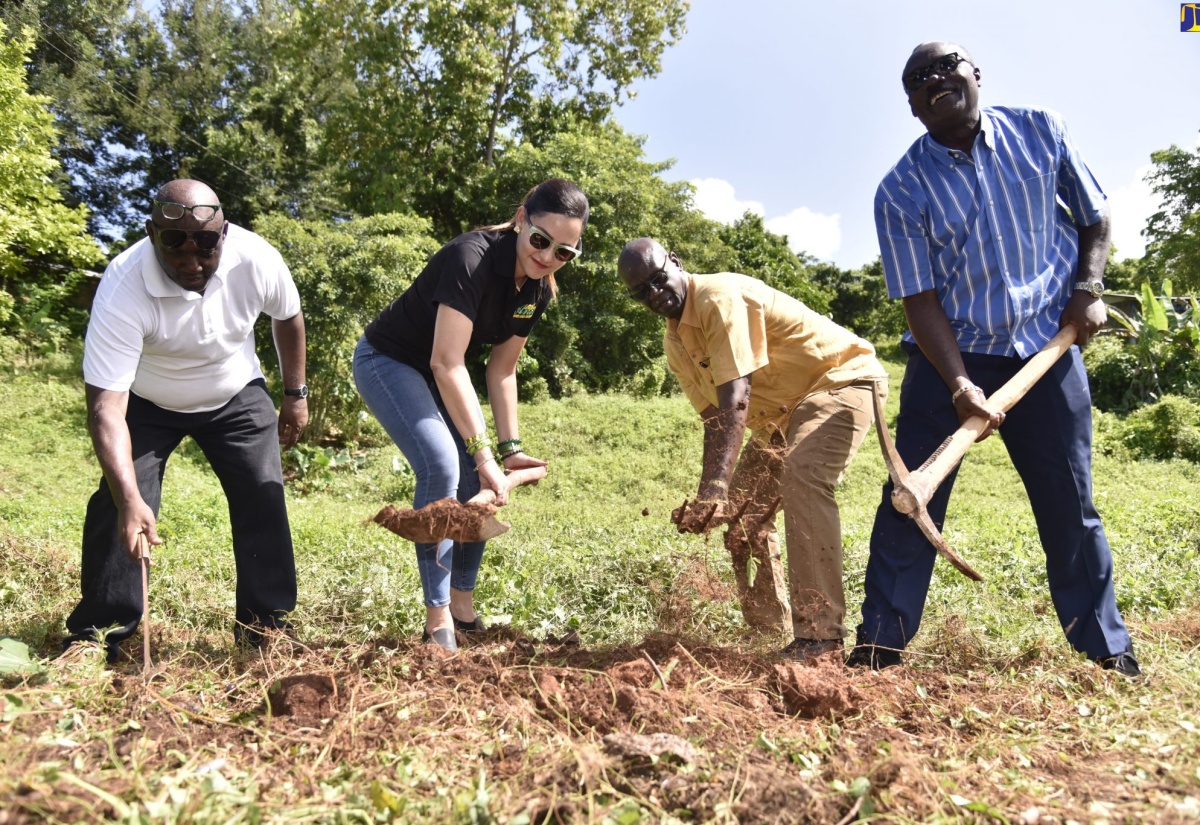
(520, 461)
(491, 477)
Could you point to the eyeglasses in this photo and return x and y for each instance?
(206, 240)
(658, 281)
(943, 65)
(539, 240)
(174, 211)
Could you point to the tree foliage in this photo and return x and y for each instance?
(1174, 231)
(345, 273)
(436, 89)
(767, 256)
(43, 243)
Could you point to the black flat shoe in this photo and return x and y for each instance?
(476, 625)
(1123, 663)
(443, 637)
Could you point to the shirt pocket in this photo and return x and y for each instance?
(1033, 200)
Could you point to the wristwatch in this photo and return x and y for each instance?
(1093, 288)
(299, 392)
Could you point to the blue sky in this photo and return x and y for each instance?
(794, 107)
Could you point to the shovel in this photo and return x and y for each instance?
(449, 518)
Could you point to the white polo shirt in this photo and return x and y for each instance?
(178, 349)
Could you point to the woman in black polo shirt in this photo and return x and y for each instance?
(489, 286)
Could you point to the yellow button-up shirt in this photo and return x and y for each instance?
(734, 326)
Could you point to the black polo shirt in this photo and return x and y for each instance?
(474, 275)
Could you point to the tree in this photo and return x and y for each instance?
(767, 256)
(44, 246)
(436, 89)
(213, 89)
(1174, 231)
(860, 301)
(594, 335)
(345, 273)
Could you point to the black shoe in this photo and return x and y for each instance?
(443, 637)
(1123, 663)
(805, 649)
(876, 658)
(112, 652)
(476, 625)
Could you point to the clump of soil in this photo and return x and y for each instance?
(445, 518)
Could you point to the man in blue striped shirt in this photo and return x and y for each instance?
(989, 264)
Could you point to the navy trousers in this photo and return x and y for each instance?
(1048, 435)
(241, 443)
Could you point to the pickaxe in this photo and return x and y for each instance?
(911, 491)
(449, 518)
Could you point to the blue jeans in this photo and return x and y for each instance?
(411, 410)
(1048, 435)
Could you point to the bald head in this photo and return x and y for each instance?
(188, 193)
(653, 276)
(942, 47)
(639, 258)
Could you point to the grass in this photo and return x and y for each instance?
(995, 715)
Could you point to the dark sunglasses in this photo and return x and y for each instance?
(642, 293)
(539, 240)
(206, 240)
(943, 65)
(174, 211)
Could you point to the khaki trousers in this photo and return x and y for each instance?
(824, 432)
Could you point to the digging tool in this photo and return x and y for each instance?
(449, 518)
(143, 548)
(911, 491)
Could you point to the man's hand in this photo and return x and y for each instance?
(1088, 314)
(134, 519)
(702, 515)
(293, 418)
(973, 404)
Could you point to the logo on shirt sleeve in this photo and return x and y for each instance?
(525, 312)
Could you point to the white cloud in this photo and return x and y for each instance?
(716, 199)
(807, 231)
(1130, 206)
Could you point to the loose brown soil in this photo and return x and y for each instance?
(560, 732)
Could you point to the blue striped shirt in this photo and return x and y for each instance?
(987, 230)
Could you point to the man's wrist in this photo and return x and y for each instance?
(1092, 286)
(297, 392)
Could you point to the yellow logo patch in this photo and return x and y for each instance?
(525, 311)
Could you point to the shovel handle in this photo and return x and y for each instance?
(517, 478)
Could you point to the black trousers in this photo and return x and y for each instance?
(241, 443)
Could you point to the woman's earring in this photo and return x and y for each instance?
(517, 229)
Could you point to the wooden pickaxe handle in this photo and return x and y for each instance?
(922, 483)
(143, 546)
(516, 478)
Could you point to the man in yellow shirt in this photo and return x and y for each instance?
(749, 356)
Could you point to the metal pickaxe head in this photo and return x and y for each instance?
(901, 494)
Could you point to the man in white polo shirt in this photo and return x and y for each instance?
(169, 354)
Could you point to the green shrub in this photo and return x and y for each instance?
(1114, 373)
(1152, 354)
(1166, 430)
(346, 273)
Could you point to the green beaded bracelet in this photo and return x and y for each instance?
(478, 442)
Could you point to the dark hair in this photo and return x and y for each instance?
(555, 196)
